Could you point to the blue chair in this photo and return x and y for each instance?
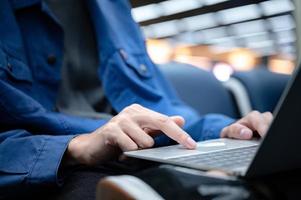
(200, 89)
(263, 87)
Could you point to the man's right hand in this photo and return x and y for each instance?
(131, 129)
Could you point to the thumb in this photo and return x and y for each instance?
(237, 131)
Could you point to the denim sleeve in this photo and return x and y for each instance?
(18, 109)
(209, 127)
(30, 160)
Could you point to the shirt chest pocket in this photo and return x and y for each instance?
(14, 70)
(139, 63)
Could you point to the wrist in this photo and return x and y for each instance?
(74, 152)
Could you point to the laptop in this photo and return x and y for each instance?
(278, 151)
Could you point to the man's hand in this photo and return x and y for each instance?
(248, 125)
(131, 129)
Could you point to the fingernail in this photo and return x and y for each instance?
(245, 133)
(190, 142)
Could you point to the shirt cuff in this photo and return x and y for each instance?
(46, 166)
(213, 125)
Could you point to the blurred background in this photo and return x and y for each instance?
(221, 36)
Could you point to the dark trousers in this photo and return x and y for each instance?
(81, 183)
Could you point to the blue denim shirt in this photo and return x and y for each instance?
(33, 135)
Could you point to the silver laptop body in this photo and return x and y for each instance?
(278, 151)
(229, 155)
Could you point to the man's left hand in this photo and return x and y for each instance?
(246, 127)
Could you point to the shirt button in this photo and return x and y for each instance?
(51, 59)
(123, 54)
(143, 68)
(9, 66)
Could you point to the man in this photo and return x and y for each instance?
(50, 123)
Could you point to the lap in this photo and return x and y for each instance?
(81, 182)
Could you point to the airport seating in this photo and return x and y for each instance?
(258, 89)
(263, 86)
(200, 89)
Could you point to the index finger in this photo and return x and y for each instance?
(180, 121)
(157, 121)
(172, 130)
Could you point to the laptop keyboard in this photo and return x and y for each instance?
(226, 159)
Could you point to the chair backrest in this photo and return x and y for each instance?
(264, 87)
(200, 89)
